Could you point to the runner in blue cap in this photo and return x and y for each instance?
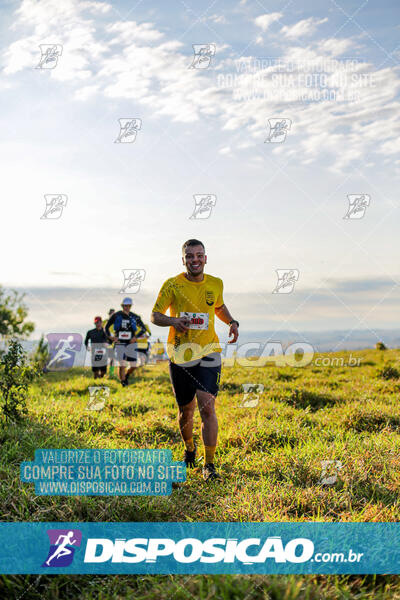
(127, 327)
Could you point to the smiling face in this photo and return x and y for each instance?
(194, 259)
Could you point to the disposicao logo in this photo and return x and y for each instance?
(190, 550)
(63, 543)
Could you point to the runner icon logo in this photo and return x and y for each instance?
(63, 543)
(62, 349)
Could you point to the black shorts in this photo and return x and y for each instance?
(125, 353)
(186, 380)
(101, 370)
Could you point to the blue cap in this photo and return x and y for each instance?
(127, 301)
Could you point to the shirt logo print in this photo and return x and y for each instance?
(210, 298)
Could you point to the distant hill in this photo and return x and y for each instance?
(322, 341)
(327, 341)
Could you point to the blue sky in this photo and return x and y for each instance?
(279, 205)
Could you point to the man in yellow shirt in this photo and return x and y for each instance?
(110, 348)
(143, 345)
(194, 298)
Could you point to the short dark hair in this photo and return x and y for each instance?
(192, 242)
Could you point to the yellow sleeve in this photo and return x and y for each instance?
(164, 298)
(220, 300)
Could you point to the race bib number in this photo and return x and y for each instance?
(197, 320)
(99, 353)
(124, 335)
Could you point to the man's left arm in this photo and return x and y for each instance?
(224, 315)
(139, 323)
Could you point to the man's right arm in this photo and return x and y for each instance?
(108, 325)
(161, 320)
(163, 302)
(181, 324)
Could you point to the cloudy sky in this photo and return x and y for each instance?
(328, 69)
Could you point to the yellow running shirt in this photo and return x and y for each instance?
(143, 342)
(197, 301)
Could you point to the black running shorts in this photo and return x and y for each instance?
(125, 353)
(201, 376)
(100, 370)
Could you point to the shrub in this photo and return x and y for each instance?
(41, 355)
(15, 376)
(380, 346)
(388, 372)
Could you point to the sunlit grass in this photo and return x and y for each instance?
(269, 455)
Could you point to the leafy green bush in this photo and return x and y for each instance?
(15, 376)
(380, 346)
(388, 372)
(13, 313)
(41, 355)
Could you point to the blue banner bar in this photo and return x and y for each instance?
(162, 548)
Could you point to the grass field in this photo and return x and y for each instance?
(270, 457)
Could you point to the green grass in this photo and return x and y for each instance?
(270, 457)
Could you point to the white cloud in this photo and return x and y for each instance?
(335, 46)
(129, 60)
(227, 150)
(264, 21)
(302, 28)
(86, 92)
(128, 32)
(218, 19)
(64, 23)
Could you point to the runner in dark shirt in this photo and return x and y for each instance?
(98, 340)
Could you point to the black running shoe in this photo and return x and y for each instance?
(190, 457)
(209, 472)
(123, 383)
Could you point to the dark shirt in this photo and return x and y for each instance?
(125, 326)
(96, 336)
